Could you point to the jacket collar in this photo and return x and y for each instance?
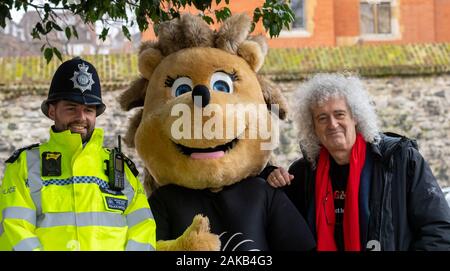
(72, 141)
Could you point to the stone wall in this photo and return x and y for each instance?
(415, 106)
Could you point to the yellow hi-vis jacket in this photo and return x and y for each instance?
(76, 210)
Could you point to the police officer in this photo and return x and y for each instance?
(59, 195)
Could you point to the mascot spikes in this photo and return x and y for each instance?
(196, 134)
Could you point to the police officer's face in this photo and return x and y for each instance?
(77, 118)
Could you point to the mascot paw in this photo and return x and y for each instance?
(197, 237)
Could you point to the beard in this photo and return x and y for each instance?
(84, 129)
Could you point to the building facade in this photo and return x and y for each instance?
(350, 22)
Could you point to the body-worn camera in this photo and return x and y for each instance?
(51, 164)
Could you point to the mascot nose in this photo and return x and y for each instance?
(202, 92)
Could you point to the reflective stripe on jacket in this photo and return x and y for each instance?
(76, 210)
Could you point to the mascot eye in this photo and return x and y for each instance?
(221, 81)
(181, 85)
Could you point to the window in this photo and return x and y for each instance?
(298, 7)
(376, 17)
(299, 26)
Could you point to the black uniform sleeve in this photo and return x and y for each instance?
(287, 228)
(428, 210)
(161, 215)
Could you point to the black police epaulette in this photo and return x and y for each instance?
(131, 166)
(17, 153)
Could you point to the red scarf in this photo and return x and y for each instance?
(325, 216)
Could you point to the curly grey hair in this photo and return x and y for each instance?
(321, 88)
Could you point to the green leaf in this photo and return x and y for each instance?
(17, 4)
(208, 19)
(68, 33)
(74, 31)
(173, 12)
(164, 16)
(39, 28)
(48, 54)
(222, 14)
(56, 26)
(57, 53)
(48, 27)
(35, 34)
(252, 28)
(201, 4)
(181, 3)
(256, 15)
(126, 32)
(4, 13)
(275, 14)
(104, 33)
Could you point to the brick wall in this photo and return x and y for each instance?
(347, 18)
(417, 21)
(442, 20)
(331, 22)
(347, 22)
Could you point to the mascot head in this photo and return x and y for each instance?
(206, 113)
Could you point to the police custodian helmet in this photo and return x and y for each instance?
(75, 80)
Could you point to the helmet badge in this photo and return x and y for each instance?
(82, 79)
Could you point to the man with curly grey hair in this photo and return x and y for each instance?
(359, 189)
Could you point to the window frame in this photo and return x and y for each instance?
(394, 34)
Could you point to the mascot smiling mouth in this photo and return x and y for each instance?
(207, 153)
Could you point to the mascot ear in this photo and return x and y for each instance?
(148, 59)
(273, 95)
(133, 125)
(252, 52)
(133, 97)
